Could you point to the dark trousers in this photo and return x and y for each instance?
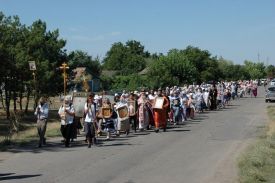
(90, 133)
(188, 112)
(74, 127)
(89, 129)
(63, 131)
(41, 129)
(134, 120)
(67, 133)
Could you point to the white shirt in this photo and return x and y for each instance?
(151, 97)
(69, 118)
(91, 114)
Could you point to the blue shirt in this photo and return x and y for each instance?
(42, 111)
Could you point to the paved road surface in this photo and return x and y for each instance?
(202, 151)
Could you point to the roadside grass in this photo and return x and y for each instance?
(257, 164)
(27, 132)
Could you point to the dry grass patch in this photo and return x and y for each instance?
(27, 131)
(257, 164)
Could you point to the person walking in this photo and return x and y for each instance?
(160, 114)
(133, 110)
(90, 120)
(66, 113)
(42, 111)
(143, 111)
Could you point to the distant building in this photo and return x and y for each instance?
(109, 73)
(84, 80)
(144, 71)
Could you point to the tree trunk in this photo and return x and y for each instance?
(2, 100)
(21, 94)
(20, 100)
(27, 102)
(14, 100)
(8, 95)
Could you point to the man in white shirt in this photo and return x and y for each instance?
(66, 113)
(90, 120)
(41, 112)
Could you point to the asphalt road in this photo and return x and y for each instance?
(202, 151)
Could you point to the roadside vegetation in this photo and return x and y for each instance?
(27, 132)
(257, 164)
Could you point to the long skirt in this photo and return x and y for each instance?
(160, 118)
(254, 91)
(143, 118)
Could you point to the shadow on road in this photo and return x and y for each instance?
(178, 130)
(116, 144)
(12, 176)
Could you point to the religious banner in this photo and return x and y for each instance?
(158, 103)
(122, 111)
(79, 100)
(106, 112)
(132, 108)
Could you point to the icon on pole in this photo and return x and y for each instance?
(32, 65)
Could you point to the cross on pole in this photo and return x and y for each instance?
(64, 67)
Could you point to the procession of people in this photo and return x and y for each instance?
(137, 111)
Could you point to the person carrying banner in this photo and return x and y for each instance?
(160, 113)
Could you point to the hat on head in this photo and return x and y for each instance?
(42, 99)
(68, 98)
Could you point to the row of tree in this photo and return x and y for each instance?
(130, 64)
(178, 67)
(20, 44)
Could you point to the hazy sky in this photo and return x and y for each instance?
(234, 29)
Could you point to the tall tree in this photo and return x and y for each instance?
(173, 69)
(46, 49)
(127, 59)
(270, 71)
(207, 66)
(20, 44)
(79, 58)
(255, 70)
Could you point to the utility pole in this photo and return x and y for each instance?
(32, 66)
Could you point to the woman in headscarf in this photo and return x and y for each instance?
(143, 111)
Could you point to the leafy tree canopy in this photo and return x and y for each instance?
(127, 59)
(173, 69)
(255, 70)
(79, 58)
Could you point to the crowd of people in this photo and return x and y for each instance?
(140, 110)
